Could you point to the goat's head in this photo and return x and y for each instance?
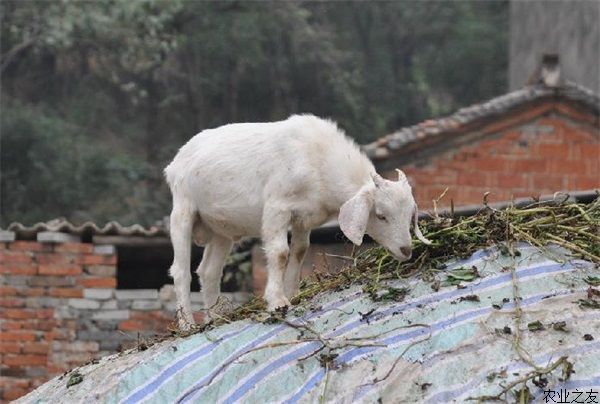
(385, 211)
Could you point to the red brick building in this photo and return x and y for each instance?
(70, 294)
(536, 140)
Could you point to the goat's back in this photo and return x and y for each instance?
(259, 148)
(230, 171)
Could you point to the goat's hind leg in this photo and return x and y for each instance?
(210, 269)
(181, 223)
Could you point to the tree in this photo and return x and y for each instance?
(98, 96)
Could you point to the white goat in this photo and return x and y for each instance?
(259, 180)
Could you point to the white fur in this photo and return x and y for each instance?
(259, 180)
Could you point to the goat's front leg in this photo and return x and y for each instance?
(298, 248)
(274, 235)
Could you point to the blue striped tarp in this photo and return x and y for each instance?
(442, 346)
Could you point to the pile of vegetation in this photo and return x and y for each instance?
(573, 226)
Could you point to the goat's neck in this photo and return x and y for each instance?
(347, 184)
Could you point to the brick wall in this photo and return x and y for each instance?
(59, 308)
(544, 155)
(324, 257)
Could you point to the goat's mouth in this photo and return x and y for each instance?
(399, 256)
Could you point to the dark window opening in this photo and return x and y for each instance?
(147, 267)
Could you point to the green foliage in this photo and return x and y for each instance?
(49, 169)
(391, 294)
(589, 303)
(105, 92)
(535, 326)
(458, 275)
(74, 378)
(593, 280)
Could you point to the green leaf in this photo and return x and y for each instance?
(593, 280)
(535, 326)
(393, 294)
(74, 379)
(589, 303)
(461, 274)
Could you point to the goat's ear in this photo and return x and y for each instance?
(354, 215)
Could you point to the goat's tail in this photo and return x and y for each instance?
(170, 176)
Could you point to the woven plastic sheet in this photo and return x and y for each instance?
(433, 346)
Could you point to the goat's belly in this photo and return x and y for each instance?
(234, 224)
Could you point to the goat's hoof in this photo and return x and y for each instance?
(184, 327)
(186, 324)
(222, 307)
(291, 293)
(278, 305)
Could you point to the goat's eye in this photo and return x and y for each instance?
(381, 217)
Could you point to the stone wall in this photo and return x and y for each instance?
(59, 308)
(322, 257)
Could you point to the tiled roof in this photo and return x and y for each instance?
(328, 232)
(88, 229)
(386, 145)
